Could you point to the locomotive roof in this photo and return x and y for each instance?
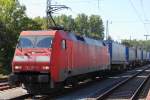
(70, 35)
(86, 40)
(43, 32)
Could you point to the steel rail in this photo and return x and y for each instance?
(108, 92)
(138, 91)
(4, 86)
(22, 97)
(3, 80)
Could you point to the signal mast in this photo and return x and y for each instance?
(52, 9)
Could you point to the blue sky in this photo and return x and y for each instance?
(127, 18)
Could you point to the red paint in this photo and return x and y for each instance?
(77, 55)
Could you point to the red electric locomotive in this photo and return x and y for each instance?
(43, 60)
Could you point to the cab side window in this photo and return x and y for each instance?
(63, 44)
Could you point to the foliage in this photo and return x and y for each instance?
(13, 20)
(138, 43)
(82, 24)
(2, 41)
(42, 22)
(91, 26)
(66, 21)
(96, 27)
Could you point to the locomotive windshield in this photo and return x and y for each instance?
(35, 42)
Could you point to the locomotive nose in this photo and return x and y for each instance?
(31, 62)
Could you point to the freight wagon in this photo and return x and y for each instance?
(117, 55)
(131, 56)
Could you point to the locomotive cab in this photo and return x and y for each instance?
(33, 53)
(31, 62)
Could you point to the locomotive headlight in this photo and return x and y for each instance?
(45, 67)
(18, 67)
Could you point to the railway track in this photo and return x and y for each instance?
(82, 91)
(129, 88)
(22, 97)
(3, 80)
(95, 95)
(63, 91)
(4, 86)
(32, 97)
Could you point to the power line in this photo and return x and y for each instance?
(135, 10)
(77, 2)
(138, 15)
(143, 10)
(145, 17)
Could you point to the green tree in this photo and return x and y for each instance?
(41, 21)
(14, 20)
(96, 27)
(82, 24)
(6, 48)
(11, 14)
(138, 43)
(66, 21)
(30, 24)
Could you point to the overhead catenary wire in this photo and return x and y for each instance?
(139, 17)
(143, 10)
(145, 17)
